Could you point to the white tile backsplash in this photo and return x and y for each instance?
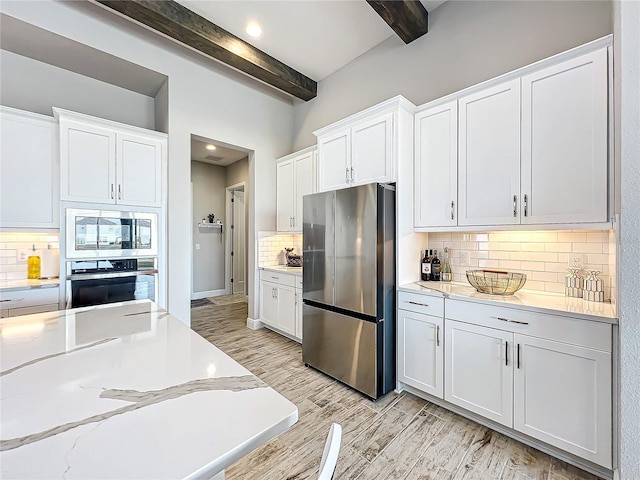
(544, 256)
(271, 247)
(12, 242)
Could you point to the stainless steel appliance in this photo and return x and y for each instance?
(348, 239)
(109, 234)
(96, 282)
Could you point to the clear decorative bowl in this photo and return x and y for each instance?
(496, 282)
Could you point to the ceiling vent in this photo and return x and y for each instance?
(212, 158)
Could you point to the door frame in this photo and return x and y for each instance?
(228, 266)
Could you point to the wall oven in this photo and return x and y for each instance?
(97, 282)
(109, 234)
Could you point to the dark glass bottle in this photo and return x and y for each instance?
(435, 267)
(425, 268)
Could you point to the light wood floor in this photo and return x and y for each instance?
(398, 437)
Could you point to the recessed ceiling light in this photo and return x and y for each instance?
(211, 147)
(254, 29)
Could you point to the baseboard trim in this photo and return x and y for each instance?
(254, 324)
(208, 293)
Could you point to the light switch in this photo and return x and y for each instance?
(197, 246)
(464, 258)
(23, 255)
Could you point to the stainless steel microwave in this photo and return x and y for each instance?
(109, 233)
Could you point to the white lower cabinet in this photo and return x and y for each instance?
(420, 351)
(478, 370)
(29, 300)
(281, 303)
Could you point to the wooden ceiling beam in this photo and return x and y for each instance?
(185, 26)
(408, 18)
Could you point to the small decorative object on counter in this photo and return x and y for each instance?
(293, 260)
(593, 287)
(445, 270)
(574, 281)
(496, 282)
(33, 265)
(204, 220)
(435, 267)
(211, 217)
(425, 267)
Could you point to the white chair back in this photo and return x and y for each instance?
(330, 453)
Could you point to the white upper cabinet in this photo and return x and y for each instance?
(29, 185)
(295, 177)
(362, 148)
(489, 156)
(107, 162)
(564, 142)
(436, 166)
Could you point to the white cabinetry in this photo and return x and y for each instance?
(28, 300)
(279, 298)
(29, 185)
(436, 166)
(295, 177)
(111, 163)
(564, 142)
(362, 148)
(421, 342)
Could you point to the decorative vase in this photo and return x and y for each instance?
(593, 287)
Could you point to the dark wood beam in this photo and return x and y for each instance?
(408, 18)
(179, 23)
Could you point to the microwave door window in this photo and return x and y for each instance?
(114, 234)
(143, 233)
(86, 233)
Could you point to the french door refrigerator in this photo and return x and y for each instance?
(348, 252)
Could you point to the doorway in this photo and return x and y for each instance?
(237, 241)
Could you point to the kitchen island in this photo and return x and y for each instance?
(126, 391)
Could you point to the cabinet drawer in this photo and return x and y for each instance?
(28, 298)
(565, 329)
(279, 278)
(14, 312)
(425, 304)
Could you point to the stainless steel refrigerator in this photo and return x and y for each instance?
(348, 252)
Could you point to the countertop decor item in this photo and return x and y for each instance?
(211, 217)
(293, 260)
(593, 287)
(496, 282)
(33, 264)
(574, 281)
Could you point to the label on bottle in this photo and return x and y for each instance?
(426, 268)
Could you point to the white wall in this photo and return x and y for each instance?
(468, 42)
(35, 86)
(204, 99)
(628, 90)
(209, 192)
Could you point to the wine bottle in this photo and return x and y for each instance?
(425, 271)
(445, 271)
(435, 267)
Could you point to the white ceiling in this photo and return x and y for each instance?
(314, 37)
(223, 155)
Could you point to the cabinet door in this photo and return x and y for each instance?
(372, 151)
(562, 396)
(139, 170)
(298, 313)
(420, 352)
(87, 163)
(489, 156)
(29, 184)
(436, 166)
(285, 196)
(286, 310)
(334, 161)
(268, 304)
(564, 142)
(304, 171)
(478, 370)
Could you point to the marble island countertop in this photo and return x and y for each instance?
(525, 299)
(126, 391)
(23, 284)
(284, 269)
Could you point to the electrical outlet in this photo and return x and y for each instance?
(464, 258)
(197, 246)
(23, 255)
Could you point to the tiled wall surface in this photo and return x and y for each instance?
(543, 256)
(11, 243)
(271, 247)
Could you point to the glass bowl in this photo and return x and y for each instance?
(496, 282)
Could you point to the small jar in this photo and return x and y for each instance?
(574, 282)
(593, 287)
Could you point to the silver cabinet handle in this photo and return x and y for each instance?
(275, 278)
(347, 175)
(518, 357)
(112, 190)
(502, 319)
(417, 303)
(515, 206)
(294, 222)
(506, 353)
(452, 208)
(437, 335)
(12, 300)
(352, 174)
(119, 192)
(526, 204)
(276, 292)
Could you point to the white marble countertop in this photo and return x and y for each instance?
(24, 284)
(284, 269)
(125, 391)
(524, 299)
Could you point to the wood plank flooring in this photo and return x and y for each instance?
(398, 437)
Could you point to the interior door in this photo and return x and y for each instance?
(238, 242)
